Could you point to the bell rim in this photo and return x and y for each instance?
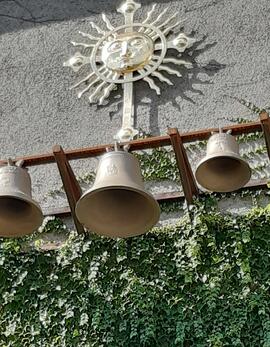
(155, 216)
(24, 197)
(224, 155)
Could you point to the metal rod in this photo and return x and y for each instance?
(127, 127)
(128, 104)
(186, 175)
(70, 183)
(152, 142)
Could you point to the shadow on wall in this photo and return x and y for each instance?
(189, 84)
(23, 14)
(183, 87)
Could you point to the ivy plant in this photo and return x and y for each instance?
(204, 282)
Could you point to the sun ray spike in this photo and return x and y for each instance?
(98, 29)
(149, 14)
(107, 22)
(148, 30)
(153, 35)
(169, 28)
(107, 91)
(177, 62)
(99, 88)
(166, 31)
(148, 17)
(87, 78)
(85, 45)
(83, 80)
(159, 17)
(115, 76)
(155, 57)
(96, 80)
(96, 92)
(168, 20)
(152, 84)
(89, 36)
(147, 67)
(169, 70)
(161, 77)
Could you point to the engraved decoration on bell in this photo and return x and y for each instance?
(111, 170)
(220, 144)
(130, 52)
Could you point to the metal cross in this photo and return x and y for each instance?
(126, 54)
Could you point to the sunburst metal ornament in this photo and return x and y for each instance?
(128, 53)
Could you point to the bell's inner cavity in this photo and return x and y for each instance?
(224, 166)
(13, 207)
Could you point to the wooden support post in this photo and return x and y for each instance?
(186, 175)
(265, 122)
(70, 183)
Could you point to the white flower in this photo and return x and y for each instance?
(2, 260)
(22, 277)
(10, 329)
(61, 302)
(69, 313)
(42, 296)
(84, 319)
(204, 278)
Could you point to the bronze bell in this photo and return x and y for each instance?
(19, 213)
(117, 205)
(222, 169)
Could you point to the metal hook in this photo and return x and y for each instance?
(10, 162)
(19, 163)
(117, 146)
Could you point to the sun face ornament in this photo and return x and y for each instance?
(128, 52)
(125, 54)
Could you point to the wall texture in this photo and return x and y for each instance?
(37, 109)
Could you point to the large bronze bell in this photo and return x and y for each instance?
(19, 213)
(222, 169)
(117, 205)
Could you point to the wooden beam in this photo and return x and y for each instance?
(186, 175)
(265, 123)
(70, 183)
(164, 197)
(151, 142)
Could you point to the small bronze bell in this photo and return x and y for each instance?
(222, 169)
(19, 213)
(117, 205)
